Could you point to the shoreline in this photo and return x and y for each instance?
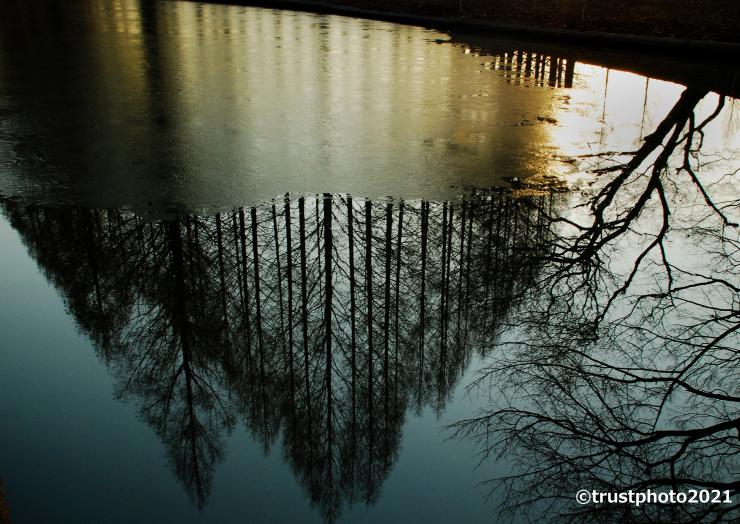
(711, 50)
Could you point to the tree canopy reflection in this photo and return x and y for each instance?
(316, 321)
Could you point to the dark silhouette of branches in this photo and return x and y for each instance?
(620, 370)
(319, 319)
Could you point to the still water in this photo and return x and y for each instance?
(285, 267)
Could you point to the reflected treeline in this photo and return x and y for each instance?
(316, 321)
(619, 371)
(523, 67)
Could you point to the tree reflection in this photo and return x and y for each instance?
(317, 321)
(620, 372)
(526, 67)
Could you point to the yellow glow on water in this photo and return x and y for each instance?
(226, 102)
(611, 111)
(119, 16)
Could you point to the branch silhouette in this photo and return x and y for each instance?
(315, 321)
(619, 373)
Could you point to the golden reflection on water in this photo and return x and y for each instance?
(611, 111)
(213, 105)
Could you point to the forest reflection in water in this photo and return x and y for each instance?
(606, 319)
(321, 318)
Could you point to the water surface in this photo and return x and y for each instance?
(253, 260)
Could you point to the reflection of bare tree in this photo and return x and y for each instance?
(321, 319)
(621, 370)
(533, 68)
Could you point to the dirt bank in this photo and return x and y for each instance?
(702, 20)
(717, 20)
